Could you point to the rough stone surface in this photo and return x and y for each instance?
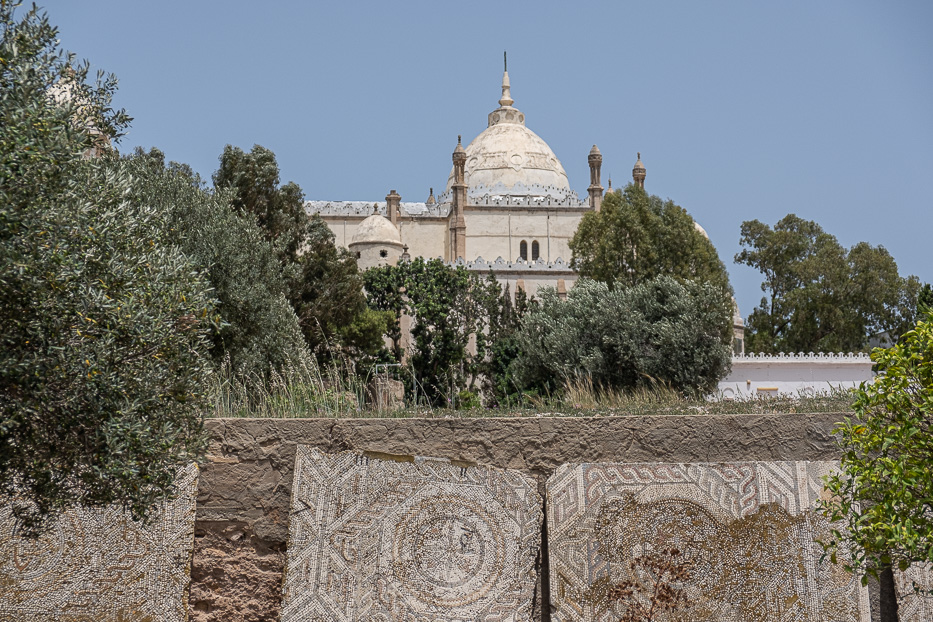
(711, 542)
(407, 539)
(246, 478)
(234, 576)
(99, 564)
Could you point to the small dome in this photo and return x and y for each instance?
(376, 229)
(638, 165)
(700, 229)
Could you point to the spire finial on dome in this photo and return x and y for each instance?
(505, 61)
(506, 99)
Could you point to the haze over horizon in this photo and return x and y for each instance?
(740, 111)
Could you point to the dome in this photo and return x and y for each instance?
(512, 158)
(376, 229)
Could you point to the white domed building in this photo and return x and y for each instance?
(507, 207)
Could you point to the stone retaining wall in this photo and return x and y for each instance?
(246, 478)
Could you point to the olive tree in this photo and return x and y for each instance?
(103, 322)
(660, 331)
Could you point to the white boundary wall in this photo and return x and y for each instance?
(793, 374)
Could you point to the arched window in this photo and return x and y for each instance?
(535, 250)
(523, 250)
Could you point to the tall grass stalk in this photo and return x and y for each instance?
(300, 389)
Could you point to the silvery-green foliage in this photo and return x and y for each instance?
(659, 331)
(103, 322)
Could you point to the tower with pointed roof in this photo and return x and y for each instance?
(638, 173)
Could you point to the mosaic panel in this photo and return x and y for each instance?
(97, 564)
(697, 542)
(911, 605)
(411, 539)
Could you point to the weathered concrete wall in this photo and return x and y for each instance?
(245, 486)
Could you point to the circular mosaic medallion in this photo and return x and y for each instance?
(448, 551)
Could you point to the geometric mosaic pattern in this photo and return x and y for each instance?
(409, 539)
(911, 606)
(99, 565)
(725, 542)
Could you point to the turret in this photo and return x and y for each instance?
(459, 187)
(638, 173)
(595, 190)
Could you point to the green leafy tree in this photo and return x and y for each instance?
(323, 284)
(925, 299)
(636, 237)
(253, 179)
(259, 330)
(329, 299)
(820, 296)
(103, 322)
(883, 493)
(659, 331)
(499, 343)
(445, 310)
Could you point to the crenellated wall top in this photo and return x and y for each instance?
(368, 208)
(522, 195)
(802, 357)
(479, 264)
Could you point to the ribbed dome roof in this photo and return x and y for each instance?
(508, 153)
(376, 229)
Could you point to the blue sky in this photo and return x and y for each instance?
(741, 110)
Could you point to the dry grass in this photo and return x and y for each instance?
(306, 390)
(301, 389)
